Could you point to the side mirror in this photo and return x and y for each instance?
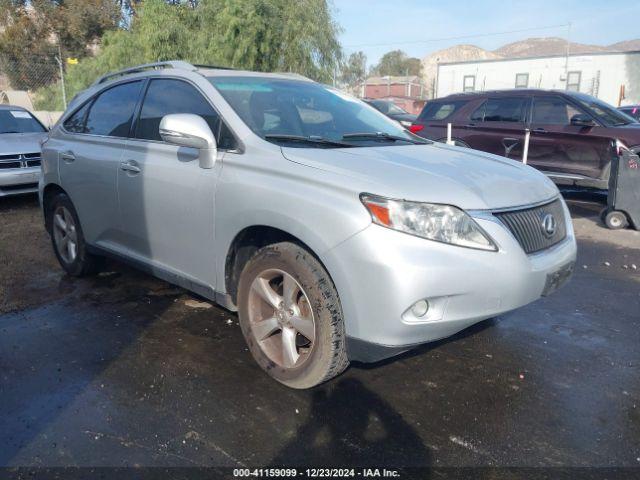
(582, 120)
(188, 130)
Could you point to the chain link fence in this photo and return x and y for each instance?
(33, 82)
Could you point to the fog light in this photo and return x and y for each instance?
(420, 308)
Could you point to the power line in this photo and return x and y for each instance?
(461, 37)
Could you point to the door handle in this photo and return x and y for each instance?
(509, 144)
(470, 125)
(539, 130)
(130, 166)
(68, 157)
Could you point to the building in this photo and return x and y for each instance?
(610, 76)
(406, 92)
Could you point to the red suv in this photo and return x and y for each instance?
(573, 135)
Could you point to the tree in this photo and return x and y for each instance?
(25, 58)
(34, 32)
(353, 71)
(397, 63)
(265, 35)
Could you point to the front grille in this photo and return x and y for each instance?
(14, 188)
(7, 164)
(23, 160)
(528, 226)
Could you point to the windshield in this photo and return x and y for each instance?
(18, 121)
(605, 112)
(279, 108)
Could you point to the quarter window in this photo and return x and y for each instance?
(506, 109)
(112, 111)
(522, 80)
(552, 111)
(75, 123)
(469, 83)
(573, 81)
(167, 96)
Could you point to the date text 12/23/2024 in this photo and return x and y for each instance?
(315, 473)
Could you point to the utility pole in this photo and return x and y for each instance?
(566, 62)
(59, 59)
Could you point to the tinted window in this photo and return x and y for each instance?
(388, 107)
(632, 112)
(167, 96)
(18, 121)
(111, 113)
(552, 111)
(507, 109)
(75, 123)
(440, 110)
(603, 111)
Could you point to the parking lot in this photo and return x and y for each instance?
(122, 369)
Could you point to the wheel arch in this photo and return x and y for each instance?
(246, 243)
(48, 193)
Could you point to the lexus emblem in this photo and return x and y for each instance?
(549, 225)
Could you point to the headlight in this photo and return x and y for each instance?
(441, 223)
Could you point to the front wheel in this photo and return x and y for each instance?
(291, 317)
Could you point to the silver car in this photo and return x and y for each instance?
(336, 234)
(20, 137)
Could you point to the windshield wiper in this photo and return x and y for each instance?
(384, 137)
(310, 139)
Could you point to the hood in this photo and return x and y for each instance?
(11, 143)
(435, 173)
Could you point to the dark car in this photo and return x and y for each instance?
(631, 110)
(393, 111)
(573, 135)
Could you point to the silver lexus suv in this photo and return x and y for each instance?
(336, 234)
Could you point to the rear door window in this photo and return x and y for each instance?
(440, 110)
(552, 111)
(503, 109)
(112, 111)
(168, 96)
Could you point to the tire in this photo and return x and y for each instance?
(616, 220)
(273, 329)
(66, 230)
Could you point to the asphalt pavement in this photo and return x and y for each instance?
(122, 369)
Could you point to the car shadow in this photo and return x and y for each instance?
(351, 426)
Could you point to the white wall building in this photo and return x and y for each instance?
(612, 76)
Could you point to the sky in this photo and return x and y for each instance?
(420, 27)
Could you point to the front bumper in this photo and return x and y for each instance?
(381, 273)
(19, 180)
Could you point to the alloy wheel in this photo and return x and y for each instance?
(65, 234)
(281, 318)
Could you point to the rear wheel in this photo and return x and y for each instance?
(615, 220)
(291, 317)
(67, 238)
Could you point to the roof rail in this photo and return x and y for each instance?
(147, 66)
(213, 67)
